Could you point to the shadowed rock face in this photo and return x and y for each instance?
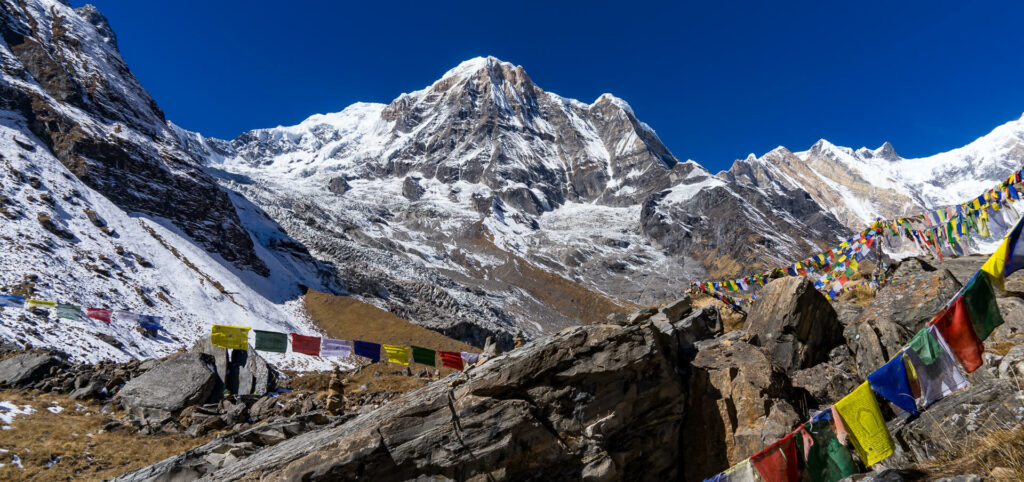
(78, 96)
(795, 323)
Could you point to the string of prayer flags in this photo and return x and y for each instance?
(99, 314)
(956, 328)
(892, 383)
(980, 299)
(778, 461)
(366, 349)
(69, 311)
(30, 304)
(336, 348)
(309, 345)
(150, 321)
(233, 337)
(423, 356)
(860, 412)
(11, 301)
(451, 359)
(271, 341)
(397, 354)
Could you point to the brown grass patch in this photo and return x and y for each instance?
(568, 298)
(1001, 450)
(391, 378)
(74, 436)
(347, 318)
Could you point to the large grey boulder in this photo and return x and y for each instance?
(794, 323)
(180, 381)
(25, 369)
(239, 372)
(593, 402)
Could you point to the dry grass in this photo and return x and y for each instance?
(568, 298)
(391, 379)
(998, 453)
(860, 295)
(74, 436)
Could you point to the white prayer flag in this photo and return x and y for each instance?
(338, 348)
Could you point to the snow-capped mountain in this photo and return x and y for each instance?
(479, 206)
(101, 206)
(858, 186)
(479, 183)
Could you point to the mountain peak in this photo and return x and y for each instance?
(470, 67)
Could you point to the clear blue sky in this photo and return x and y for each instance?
(716, 80)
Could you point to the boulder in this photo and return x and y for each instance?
(593, 402)
(25, 369)
(174, 384)
(677, 309)
(249, 373)
(739, 401)
(221, 360)
(794, 323)
(1012, 310)
(828, 382)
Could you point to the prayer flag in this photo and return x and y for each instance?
(123, 315)
(940, 378)
(956, 328)
(423, 356)
(890, 381)
(30, 304)
(366, 349)
(11, 301)
(451, 359)
(473, 358)
(981, 305)
(271, 341)
(778, 462)
(309, 345)
(742, 472)
(335, 348)
(859, 411)
(69, 311)
(397, 354)
(826, 459)
(99, 314)
(233, 337)
(925, 346)
(149, 321)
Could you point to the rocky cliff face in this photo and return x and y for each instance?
(63, 74)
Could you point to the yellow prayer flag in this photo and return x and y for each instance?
(397, 354)
(995, 266)
(30, 303)
(233, 337)
(863, 419)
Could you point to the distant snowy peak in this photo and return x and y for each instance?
(858, 186)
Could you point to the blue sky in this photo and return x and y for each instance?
(716, 80)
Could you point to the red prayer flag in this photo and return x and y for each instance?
(99, 314)
(451, 359)
(309, 345)
(777, 462)
(956, 328)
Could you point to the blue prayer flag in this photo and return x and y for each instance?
(890, 381)
(12, 301)
(366, 349)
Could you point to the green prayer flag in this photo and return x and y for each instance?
(69, 311)
(926, 346)
(827, 459)
(423, 356)
(271, 341)
(981, 305)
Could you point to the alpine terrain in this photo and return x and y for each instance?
(479, 213)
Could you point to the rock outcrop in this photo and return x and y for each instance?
(161, 393)
(794, 322)
(25, 369)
